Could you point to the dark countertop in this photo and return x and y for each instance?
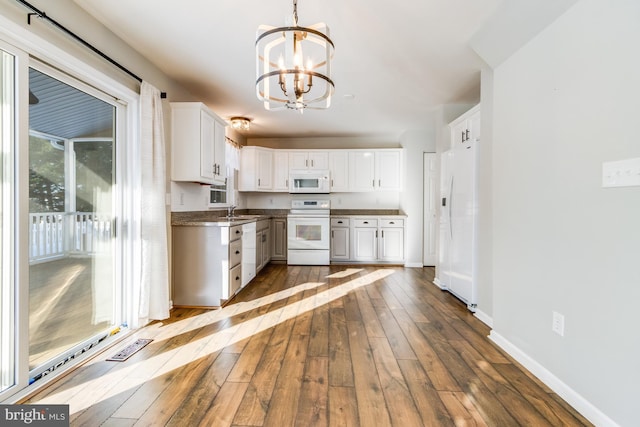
(217, 217)
(367, 212)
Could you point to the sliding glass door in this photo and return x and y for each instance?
(68, 181)
(73, 299)
(7, 284)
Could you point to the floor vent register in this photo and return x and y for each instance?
(129, 350)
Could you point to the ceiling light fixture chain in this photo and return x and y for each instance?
(295, 13)
(293, 66)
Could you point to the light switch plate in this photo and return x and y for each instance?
(621, 173)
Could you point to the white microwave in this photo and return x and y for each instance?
(303, 181)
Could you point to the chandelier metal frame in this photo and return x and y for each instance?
(286, 82)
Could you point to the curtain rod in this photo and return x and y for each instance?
(42, 14)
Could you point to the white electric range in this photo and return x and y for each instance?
(308, 226)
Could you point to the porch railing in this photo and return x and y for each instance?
(56, 235)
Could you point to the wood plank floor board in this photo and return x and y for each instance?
(255, 403)
(402, 409)
(430, 406)
(369, 317)
(459, 404)
(320, 345)
(372, 409)
(283, 405)
(314, 393)
(319, 340)
(163, 408)
(343, 407)
(223, 408)
(438, 373)
(555, 413)
(397, 340)
(340, 369)
(202, 393)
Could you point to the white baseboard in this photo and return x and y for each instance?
(439, 284)
(413, 265)
(579, 403)
(484, 318)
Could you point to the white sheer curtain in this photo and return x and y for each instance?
(232, 157)
(154, 282)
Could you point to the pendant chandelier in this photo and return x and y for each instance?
(294, 66)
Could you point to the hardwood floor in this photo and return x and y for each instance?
(316, 346)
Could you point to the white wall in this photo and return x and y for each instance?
(484, 272)
(566, 102)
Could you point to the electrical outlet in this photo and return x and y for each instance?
(558, 323)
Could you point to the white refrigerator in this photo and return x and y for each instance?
(458, 221)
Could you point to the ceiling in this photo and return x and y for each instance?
(394, 62)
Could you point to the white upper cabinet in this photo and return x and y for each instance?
(388, 170)
(256, 169)
(280, 170)
(308, 160)
(351, 171)
(375, 170)
(362, 171)
(197, 144)
(466, 129)
(339, 170)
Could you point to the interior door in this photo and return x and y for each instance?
(430, 225)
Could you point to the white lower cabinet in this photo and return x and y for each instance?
(340, 239)
(367, 239)
(197, 281)
(279, 239)
(391, 240)
(263, 250)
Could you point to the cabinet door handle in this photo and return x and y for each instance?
(373, 182)
(332, 234)
(238, 231)
(237, 278)
(312, 164)
(237, 252)
(376, 234)
(379, 183)
(258, 182)
(382, 234)
(467, 135)
(306, 163)
(462, 140)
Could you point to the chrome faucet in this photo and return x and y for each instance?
(230, 210)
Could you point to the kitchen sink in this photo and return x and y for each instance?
(238, 217)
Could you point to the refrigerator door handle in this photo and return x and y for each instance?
(450, 207)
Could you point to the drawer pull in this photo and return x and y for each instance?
(238, 231)
(237, 278)
(237, 252)
(339, 222)
(366, 222)
(391, 222)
